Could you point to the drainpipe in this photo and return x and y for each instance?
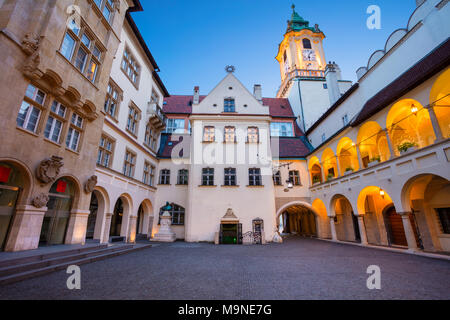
(301, 105)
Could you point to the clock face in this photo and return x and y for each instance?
(309, 55)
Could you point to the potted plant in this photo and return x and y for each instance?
(316, 179)
(374, 161)
(330, 176)
(407, 147)
(349, 170)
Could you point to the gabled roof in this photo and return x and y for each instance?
(433, 63)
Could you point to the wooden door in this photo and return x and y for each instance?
(397, 232)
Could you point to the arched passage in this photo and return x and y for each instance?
(440, 100)
(409, 124)
(319, 207)
(315, 170)
(144, 222)
(345, 221)
(426, 196)
(120, 219)
(15, 185)
(99, 207)
(347, 155)
(372, 144)
(329, 164)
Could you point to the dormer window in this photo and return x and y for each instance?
(229, 105)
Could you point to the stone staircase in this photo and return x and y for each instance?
(13, 270)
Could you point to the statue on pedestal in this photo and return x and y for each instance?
(165, 233)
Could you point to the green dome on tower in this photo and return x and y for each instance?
(297, 23)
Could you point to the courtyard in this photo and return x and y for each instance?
(295, 270)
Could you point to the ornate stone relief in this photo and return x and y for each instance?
(48, 169)
(40, 200)
(31, 46)
(90, 184)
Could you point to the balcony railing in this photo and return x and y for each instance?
(156, 115)
(298, 73)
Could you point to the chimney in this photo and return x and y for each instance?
(196, 99)
(257, 92)
(332, 74)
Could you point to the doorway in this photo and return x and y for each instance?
(230, 233)
(116, 220)
(92, 219)
(396, 232)
(356, 228)
(56, 218)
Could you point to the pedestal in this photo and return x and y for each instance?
(165, 233)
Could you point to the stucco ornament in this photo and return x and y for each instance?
(90, 184)
(48, 169)
(40, 200)
(30, 43)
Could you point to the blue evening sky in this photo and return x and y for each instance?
(193, 40)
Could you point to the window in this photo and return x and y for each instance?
(183, 177)
(444, 219)
(177, 214)
(229, 105)
(345, 120)
(74, 134)
(209, 134)
(294, 176)
(306, 44)
(133, 119)
(325, 86)
(253, 135)
(230, 134)
(105, 151)
(129, 163)
(207, 177)
(151, 137)
(30, 110)
(112, 99)
(230, 177)
(130, 67)
(80, 47)
(107, 8)
(254, 177)
(175, 126)
(55, 121)
(281, 129)
(146, 178)
(277, 178)
(164, 176)
(324, 137)
(155, 97)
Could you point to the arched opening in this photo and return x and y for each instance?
(427, 198)
(394, 227)
(92, 219)
(347, 155)
(440, 100)
(315, 170)
(372, 143)
(409, 125)
(12, 184)
(61, 198)
(345, 221)
(297, 219)
(329, 164)
(140, 221)
(324, 221)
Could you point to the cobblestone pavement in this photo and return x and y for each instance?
(297, 269)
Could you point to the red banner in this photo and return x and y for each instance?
(4, 174)
(61, 186)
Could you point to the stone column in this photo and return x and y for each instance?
(107, 230)
(435, 124)
(358, 154)
(362, 230)
(132, 229)
(76, 230)
(388, 138)
(409, 233)
(337, 166)
(322, 170)
(26, 228)
(333, 229)
(150, 227)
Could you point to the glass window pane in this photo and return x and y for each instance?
(22, 114)
(80, 61)
(85, 39)
(34, 117)
(67, 46)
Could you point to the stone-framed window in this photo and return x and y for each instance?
(154, 97)
(277, 178)
(254, 177)
(207, 177)
(146, 175)
(113, 98)
(252, 135)
(230, 134)
(306, 44)
(31, 109)
(134, 115)
(82, 48)
(177, 212)
(75, 131)
(151, 137)
(55, 122)
(230, 177)
(131, 67)
(229, 105)
(106, 7)
(183, 177)
(209, 134)
(294, 176)
(129, 164)
(164, 177)
(105, 151)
